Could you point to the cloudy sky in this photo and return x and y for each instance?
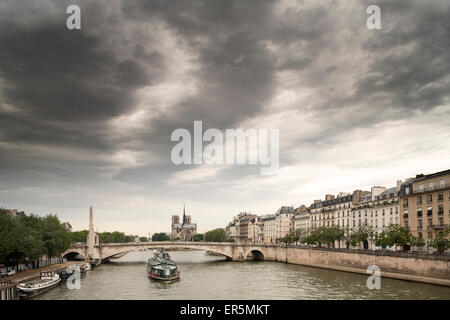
(86, 115)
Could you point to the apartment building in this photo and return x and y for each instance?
(269, 229)
(246, 230)
(302, 218)
(425, 204)
(283, 221)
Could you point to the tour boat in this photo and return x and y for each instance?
(47, 280)
(161, 267)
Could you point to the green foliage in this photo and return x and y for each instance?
(160, 237)
(79, 236)
(395, 234)
(198, 237)
(441, 242)
(358, 235)
(28, 238)
(143, 239)
(217, 235)
(114, 237)
(319, 236)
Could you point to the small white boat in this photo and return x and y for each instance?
(47, 280)
(86, 266)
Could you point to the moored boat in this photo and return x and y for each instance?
(47, 280)
(86, 266)
(161, 267)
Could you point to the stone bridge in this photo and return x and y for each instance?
(232, 251)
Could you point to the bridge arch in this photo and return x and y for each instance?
(74, 255)
(257, 255)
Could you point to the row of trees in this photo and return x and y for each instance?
(104, 237)
(217, 235)
(25, 239)
(393, 235)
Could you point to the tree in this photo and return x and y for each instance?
(56, 239)
(160, 237)
(441, 242)
(361, 234)
(198, 237)
(217, 235)
(395, 235)
(80, 236)
(143, 239)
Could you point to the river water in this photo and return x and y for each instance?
(211, 277)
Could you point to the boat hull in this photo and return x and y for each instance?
(152, 276)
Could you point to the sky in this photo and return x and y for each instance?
(86, 116)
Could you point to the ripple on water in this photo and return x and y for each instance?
(211, 277)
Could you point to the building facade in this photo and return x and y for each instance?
(425, 204)
(269, 229)
(283, 221)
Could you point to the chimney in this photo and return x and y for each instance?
(399, 184)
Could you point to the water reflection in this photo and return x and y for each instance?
(205, 276)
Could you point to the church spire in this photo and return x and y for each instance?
(184, 214)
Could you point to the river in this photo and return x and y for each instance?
(211, 277)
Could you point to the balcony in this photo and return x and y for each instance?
(432, 189)
(440, 226)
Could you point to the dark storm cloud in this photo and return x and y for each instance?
(416, 75)
(64, 85)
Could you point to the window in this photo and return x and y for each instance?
(396, 220)
(390, 210)
(430, 223)
(419, 224)
(371, 213)
(420, 235)
(430, 235)
(441, 197)
(429, 211)
(396, 210)
(421, 187)
(419, 212)
(440, 209)
(383, 212)
(431, 184)
(441, 222)
(405, 214)
(405, 202)
(407, 190)
(383, 223)
(430, 198)
(442, 183)
(406, 225)
(419, 199)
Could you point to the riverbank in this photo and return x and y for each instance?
(431, 269)
(32, 274)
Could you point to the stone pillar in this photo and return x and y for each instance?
(91, 236)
